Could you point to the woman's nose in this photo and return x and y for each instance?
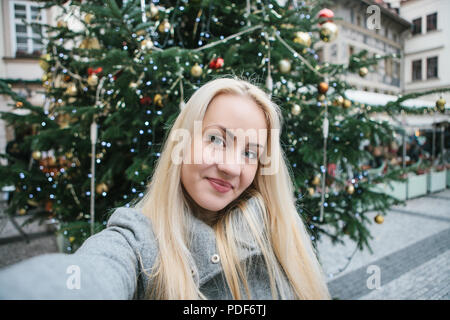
(231, 164)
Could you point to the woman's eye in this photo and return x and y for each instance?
(215, 138)
(252, 154)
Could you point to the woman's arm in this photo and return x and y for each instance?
(106, 266)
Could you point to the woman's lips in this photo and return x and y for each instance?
(219, 186)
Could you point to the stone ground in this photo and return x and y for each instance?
(13, 246)
(410, 253)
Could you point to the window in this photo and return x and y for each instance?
(431, 22)
(432, 67)
(319, 53)
(417, 70)
(388, 66)
(375, 66)
(26, 38)
(417, 26)
(397, 69)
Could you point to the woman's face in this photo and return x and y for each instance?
(233, 160)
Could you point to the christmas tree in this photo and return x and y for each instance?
(115, 86)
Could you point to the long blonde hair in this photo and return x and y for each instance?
(266, 211)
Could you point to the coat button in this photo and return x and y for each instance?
(215, 258)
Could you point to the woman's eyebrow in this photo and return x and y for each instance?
(228, 132)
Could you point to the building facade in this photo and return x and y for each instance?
(427, 48)
(380, 31)
(20, 50)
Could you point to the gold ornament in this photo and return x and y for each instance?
(164, 26)
(19, 104)
(71, 89)
(101, 187)
(316, 180)
(323, 87)
(287, 26)
(22, 211)
(321, 97)
(32, 203)
(303, 38)
(347, 104)
(90, 43)
(61, 24)
(440, 104)
(363, 71)
(92, 80)
(141, 32)
(154, 11)
(158, 100)
(196, 70)
(296, 109)
(339, 101)
(88, 18)
(63, 120)
(37, 155)
(328, 31)
(44, 62)
(350, 189)
(379, 219)
(146, 44)
(71, 239)
(285, 66)
(59, 81)
(47, 81)
(51, 161)
(310, 191)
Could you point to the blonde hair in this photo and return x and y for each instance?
(266, 211)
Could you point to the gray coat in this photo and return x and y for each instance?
(108, 265)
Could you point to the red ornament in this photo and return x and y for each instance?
(325, 15)
(216, 63)
(117, 74)
(48, 206)
(145, 101)
(94, 71)
(332, 169)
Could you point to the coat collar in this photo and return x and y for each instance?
(204, 247)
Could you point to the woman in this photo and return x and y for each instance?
(218, 220)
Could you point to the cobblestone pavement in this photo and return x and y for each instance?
(410, 254)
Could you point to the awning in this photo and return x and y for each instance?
(379, 99)
(410, 122)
